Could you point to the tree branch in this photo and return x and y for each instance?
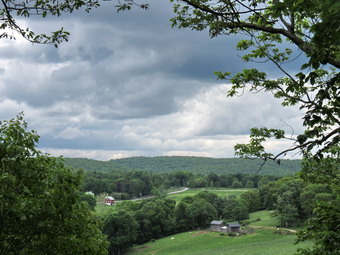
(304, 46)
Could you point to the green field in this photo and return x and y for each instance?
(261, 239)
(223, 192)
(261, 242)
(101, 208)
(262, 218)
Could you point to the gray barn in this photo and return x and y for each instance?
(233, 227)
(221, 226)
(216, 225)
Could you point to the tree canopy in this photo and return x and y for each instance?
(40, 208)
(281, 31)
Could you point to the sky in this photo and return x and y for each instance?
(127, 84)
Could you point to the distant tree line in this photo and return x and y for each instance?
(196, 165)
(129, 184)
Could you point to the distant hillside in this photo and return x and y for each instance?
(191, 164)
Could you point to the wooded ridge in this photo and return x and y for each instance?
(201, 165)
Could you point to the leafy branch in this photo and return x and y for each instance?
(44, 8)
(225, 17)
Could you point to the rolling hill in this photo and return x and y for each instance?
(198, 165)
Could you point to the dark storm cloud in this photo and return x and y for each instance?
(128, 82)
(127, 65)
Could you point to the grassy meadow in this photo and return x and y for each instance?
(262, 218)
(261, 242)
(261, 239)
(101, 208)
(223, 192)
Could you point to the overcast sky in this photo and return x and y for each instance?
(128, 84)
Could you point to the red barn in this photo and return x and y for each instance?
(109, 200)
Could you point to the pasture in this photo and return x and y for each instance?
(261, 242)
(223, 192)
(262, 218)
(101, 208)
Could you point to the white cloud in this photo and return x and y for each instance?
(71, 133)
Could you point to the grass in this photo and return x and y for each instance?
(223, 192)
(261, 242)
(262, 218)
(101, 208)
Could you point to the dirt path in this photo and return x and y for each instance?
(178, 191)
(293, 231)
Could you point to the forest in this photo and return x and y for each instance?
(132, 184)
(124, 178)
(198, 165)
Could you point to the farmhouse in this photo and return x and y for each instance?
(109, 200)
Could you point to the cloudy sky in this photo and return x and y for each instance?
(128, 84)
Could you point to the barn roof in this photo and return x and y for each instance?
(111, 198)
(216, 222)
(234, 224)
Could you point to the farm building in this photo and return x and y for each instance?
(216, 225)
(221, 226)
(233, 227)
(109, 200)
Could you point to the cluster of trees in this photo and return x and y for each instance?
(40, 207)
(129, 184)
(294, 199)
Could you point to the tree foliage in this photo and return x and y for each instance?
(323, 227)
(12, 9)
(307, 27)
(121, 229)
(281, 31)
(40, 208)
(183, 167)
